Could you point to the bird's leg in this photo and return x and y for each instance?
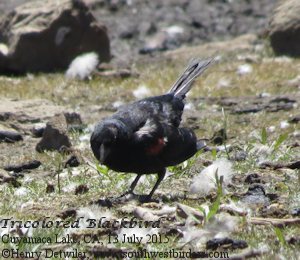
(132, 186)
(134, 183)
(160, 177)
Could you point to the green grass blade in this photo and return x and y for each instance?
(264, 136)
(280, 140)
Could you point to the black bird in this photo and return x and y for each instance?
(145, 137)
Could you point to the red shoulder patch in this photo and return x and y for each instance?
(156, 148)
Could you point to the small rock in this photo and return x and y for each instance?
(10, 136)
(219, 137)
(156, 43)
(38, 130)
(256, 189)
(5, 177)
(274, 211)
(55, 135)
(295, 212)
(225, 242)
(50, 187)
(240, 156)
(68, 213)
(81, 189)
(74, 121)
(129, 32)
(105, 202)
(24, 166)
(72, 162)
(185, 211)
(166, 39)
(294, 240)
(256, 195)
(277, 165)
(295, 119)
(253, 178)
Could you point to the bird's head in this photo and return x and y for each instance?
(103, 140)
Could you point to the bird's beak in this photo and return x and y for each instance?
(104, 151)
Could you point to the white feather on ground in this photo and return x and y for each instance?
(82, 66)
(244, 69)
(21, 192)
(204, 182)
(141, 92)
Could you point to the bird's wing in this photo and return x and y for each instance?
(181, 144)
(144, 120)
(141, 120)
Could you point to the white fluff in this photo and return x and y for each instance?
(174, 30)
(118, 104)
(205, 182)
(141, 92)
(189, 106)
(261, 152)
(271, 129)
(244, 69)
(284, 124)
(83, 66)
(69, 188)
(21, 192)
(223, 83)
(264, 95)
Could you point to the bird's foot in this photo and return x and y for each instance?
(130, 195)
(130, 192)
(146, 198)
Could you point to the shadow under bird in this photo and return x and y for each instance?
(145, 137)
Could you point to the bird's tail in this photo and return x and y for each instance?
(184, 83)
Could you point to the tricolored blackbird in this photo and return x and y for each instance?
(145, 137)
